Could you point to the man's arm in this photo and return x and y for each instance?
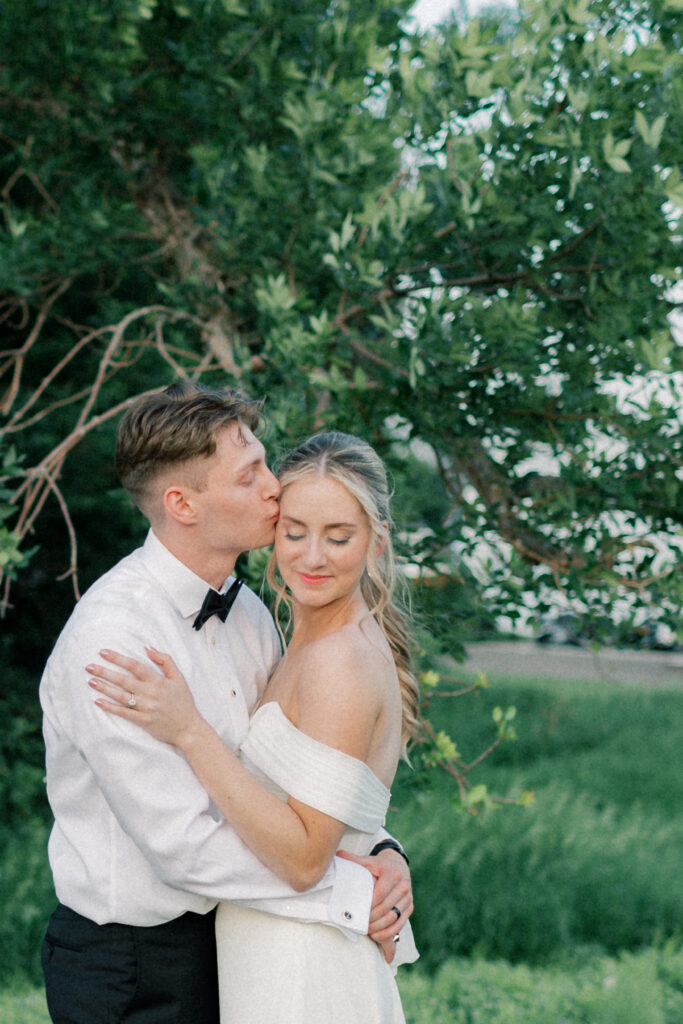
(159, 805)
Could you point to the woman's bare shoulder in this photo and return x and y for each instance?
(352, 646)
(346, 667)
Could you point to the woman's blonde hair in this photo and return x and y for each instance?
(356, 465)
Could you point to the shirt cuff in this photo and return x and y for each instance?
(344, 903)
(406, 950)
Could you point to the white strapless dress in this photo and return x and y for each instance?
(273, 970)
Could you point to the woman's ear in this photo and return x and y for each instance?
(382, 538)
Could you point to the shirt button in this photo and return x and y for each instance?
(348, 916)
(213, 639)
(234, 693)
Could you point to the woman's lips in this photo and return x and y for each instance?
(313, 580)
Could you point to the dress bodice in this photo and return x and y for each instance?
(291, 763)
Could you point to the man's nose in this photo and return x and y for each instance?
(272, 486)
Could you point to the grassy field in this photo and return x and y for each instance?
(22, 1005)
(596, 860)
(586, 988)
(569, 912)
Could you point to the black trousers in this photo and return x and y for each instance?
(115, 973)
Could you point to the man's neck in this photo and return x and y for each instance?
(211, 567)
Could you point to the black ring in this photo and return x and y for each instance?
(397, 912)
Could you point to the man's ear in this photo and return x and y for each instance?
(178, 504)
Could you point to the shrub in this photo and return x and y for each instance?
(27, 899)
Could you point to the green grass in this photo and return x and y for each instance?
(596, 860)
(640, 988)
(23, 1006)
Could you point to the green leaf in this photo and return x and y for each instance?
(479, 85)
(622, 148)
(642, 127)
(650, 134)
(657, 129)
(614, 153)
(580, 12)
(619, 165)
(578, 97)
(657, 351)
(476, 796)
(444, 748)
(430, 679)
(360, 379)
(675, 194)
(348, 231)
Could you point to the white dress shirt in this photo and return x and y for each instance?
(136, 839)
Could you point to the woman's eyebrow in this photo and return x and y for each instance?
(328, 526)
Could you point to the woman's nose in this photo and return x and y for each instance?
(313, 554)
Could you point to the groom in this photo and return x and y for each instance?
(140, 857)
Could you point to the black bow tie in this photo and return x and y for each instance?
(217, 604)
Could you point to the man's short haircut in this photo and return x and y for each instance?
(173, 427)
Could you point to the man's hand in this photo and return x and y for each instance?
(393, 891)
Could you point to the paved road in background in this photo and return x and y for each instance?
(522, 657)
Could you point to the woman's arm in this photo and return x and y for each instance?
(294, 840)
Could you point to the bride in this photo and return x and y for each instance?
(315, 771)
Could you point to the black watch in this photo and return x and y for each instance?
(389, 844)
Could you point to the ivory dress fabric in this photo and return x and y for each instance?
(272, 969)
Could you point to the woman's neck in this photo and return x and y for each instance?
(311, 623)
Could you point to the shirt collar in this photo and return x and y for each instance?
(185, 589)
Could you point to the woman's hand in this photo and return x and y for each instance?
(158, 701)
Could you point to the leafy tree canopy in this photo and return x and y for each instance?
(461, 242)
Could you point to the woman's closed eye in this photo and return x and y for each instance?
(302, 536)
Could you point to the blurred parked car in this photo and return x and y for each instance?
(560, 629)
(568, 628)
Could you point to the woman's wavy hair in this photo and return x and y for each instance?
(356, 465)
